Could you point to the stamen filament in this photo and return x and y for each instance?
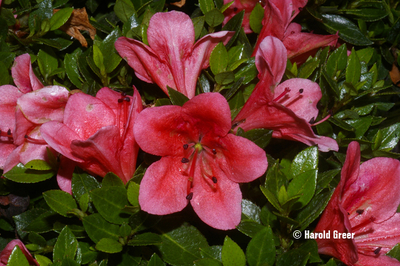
(35, 141)
(322, 120)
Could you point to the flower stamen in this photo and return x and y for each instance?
(35, 141)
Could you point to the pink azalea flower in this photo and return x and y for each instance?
(24, 109)
(6, 252)
(202, 163)
(277, 20)
(364, 204)
(239, 5)
(96, 134)
(286, 108)
(172, 58)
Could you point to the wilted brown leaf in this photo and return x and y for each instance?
(180, 3)
(395, 75)
(79, 20)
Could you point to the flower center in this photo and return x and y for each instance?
(197, 153)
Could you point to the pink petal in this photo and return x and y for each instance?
(304, 103)
(86, 114)
(64, 174)
(99, 152)
(5, 150)
(199, 58)
(12, 159)
(45, 104)
(32, 151)
(171, 37)
(22, 127)
(219, 207)
(370, 193)
(242, 160)
(8, 101)
(23, 75)
(59, 137)
(302, 45)
(163, 189)
(145, 62)
(381, 260)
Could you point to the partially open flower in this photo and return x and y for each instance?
(202, 163)
(364, 204)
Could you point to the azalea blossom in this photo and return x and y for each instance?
(96, 134)
(24, 109)
(277, 22)
(363, 204)
(6, 252)
(172, 58)
(202, 163)
(286, 108)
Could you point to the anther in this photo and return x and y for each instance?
(120, 100)
(185, 160)
(123, 94)
(185, 146)
(235, 9)
(376, 251)
(359, 211)
(127, 99)
(214, 179)
(300, 8)
(9, 132)
(214, 151)
(301, 90)
(312, 120)
(292, 32)
(189, 196)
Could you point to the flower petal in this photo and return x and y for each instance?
(86, 114)
(64, 174)
(8, 101)
(44, 104)
(219, 207)
(242, 160)
(381, 260)
(23, 75)
(304, 103)
(163, 189)
(145, 62)
(6, 252)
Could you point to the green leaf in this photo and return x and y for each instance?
(5, 77)
(98, 59)
(337, 61)
(206, 5)
(83, 183)
(198, 23)
(390, 137)
(261, 137)
(256, 17)
(133, 193)
(155, 261)
(112, 180)
(97, 228)
(38, 165)
(304, 161)
(72, 68)
(219, 59)
(145, 239)
(110, 201)
(353, 70)
(109, 245)
(235, 24)
(109, 52)
(303, 185)
(348, 31)
(47, 61)
(394, 252)
(176, 97)
(249, 227)
(250, 210)
(17, 258)
(361, 125)
(308, 68)
(214, 18)
(21, 174)
(124, 9)
(261, 249)
(60, 201)
(207, 262)
(293, 257)
(225, 78)
(42, 260)
(232, 254)
(66, 246)
(367, 14)
(60, 17)
(182, 245)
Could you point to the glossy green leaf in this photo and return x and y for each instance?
(60, 201)
(259, 136)
(42, 260)
(206, 5)
(394, 252)
(38, 165)
(83, 183)
(293, 257)
(60, 17)
(256, 17)
(5, 77)
(219, 59)
(198, 23)
(361, 125)
(305, 161)
(353, 70)
(367, 14)
(133, 193)
(232, 254)
(66, 246)
(303, 185)
(97, 228)
(181, 246)
(249, 227)
(47, 61)
(109, 245)
(207, 262)
(72, 68)
(176, 97)
(17, 258)
(390, 137)
(21, 174)
(110, 201)
(124, 9)
(261, 249)
(145, 239)
(234, 24)
(214, 18)
(308, 68)
(348, 31)
(110, 55)
(155, 261)
(112, 180)
(225, 78)
(337, 61)
(37, 220)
